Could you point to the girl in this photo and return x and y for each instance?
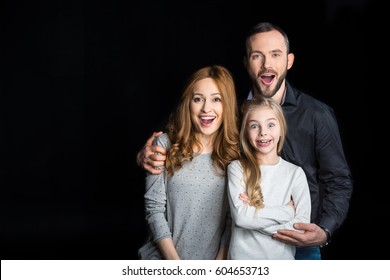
(277, 191)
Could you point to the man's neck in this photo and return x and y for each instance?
(279, 96)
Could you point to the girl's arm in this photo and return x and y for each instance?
(246, 216)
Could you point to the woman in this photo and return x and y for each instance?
(186, 206)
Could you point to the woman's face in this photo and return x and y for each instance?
(206, 107)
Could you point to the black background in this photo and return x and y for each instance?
(85, 83)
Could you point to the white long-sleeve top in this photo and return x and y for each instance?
(252, 230)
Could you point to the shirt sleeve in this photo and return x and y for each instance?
(302, 202)
(333, 171)
(245, 216)
(155, 199)
(225, 240)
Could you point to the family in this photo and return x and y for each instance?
(263, 178)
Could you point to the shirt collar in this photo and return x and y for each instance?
(288, 96)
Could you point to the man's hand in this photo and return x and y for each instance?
(312, 235)
(151, 157)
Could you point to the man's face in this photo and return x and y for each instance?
(267, 63)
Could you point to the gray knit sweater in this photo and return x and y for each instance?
(191, 207)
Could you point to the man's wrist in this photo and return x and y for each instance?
(328, 236)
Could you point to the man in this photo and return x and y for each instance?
(312, 142)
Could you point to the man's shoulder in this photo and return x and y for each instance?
(308, 101)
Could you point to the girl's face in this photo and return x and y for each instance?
(263, 129)
(206, 107)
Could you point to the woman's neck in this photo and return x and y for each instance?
(207, 142)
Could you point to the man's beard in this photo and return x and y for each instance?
(268, 92)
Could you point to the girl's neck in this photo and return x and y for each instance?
(267, 159)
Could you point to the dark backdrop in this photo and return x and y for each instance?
(84, 84)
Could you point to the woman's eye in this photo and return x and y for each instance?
(197, 99)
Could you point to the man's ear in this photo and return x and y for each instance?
(245, 62)
(290, 60)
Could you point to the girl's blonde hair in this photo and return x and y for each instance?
(252, 173)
